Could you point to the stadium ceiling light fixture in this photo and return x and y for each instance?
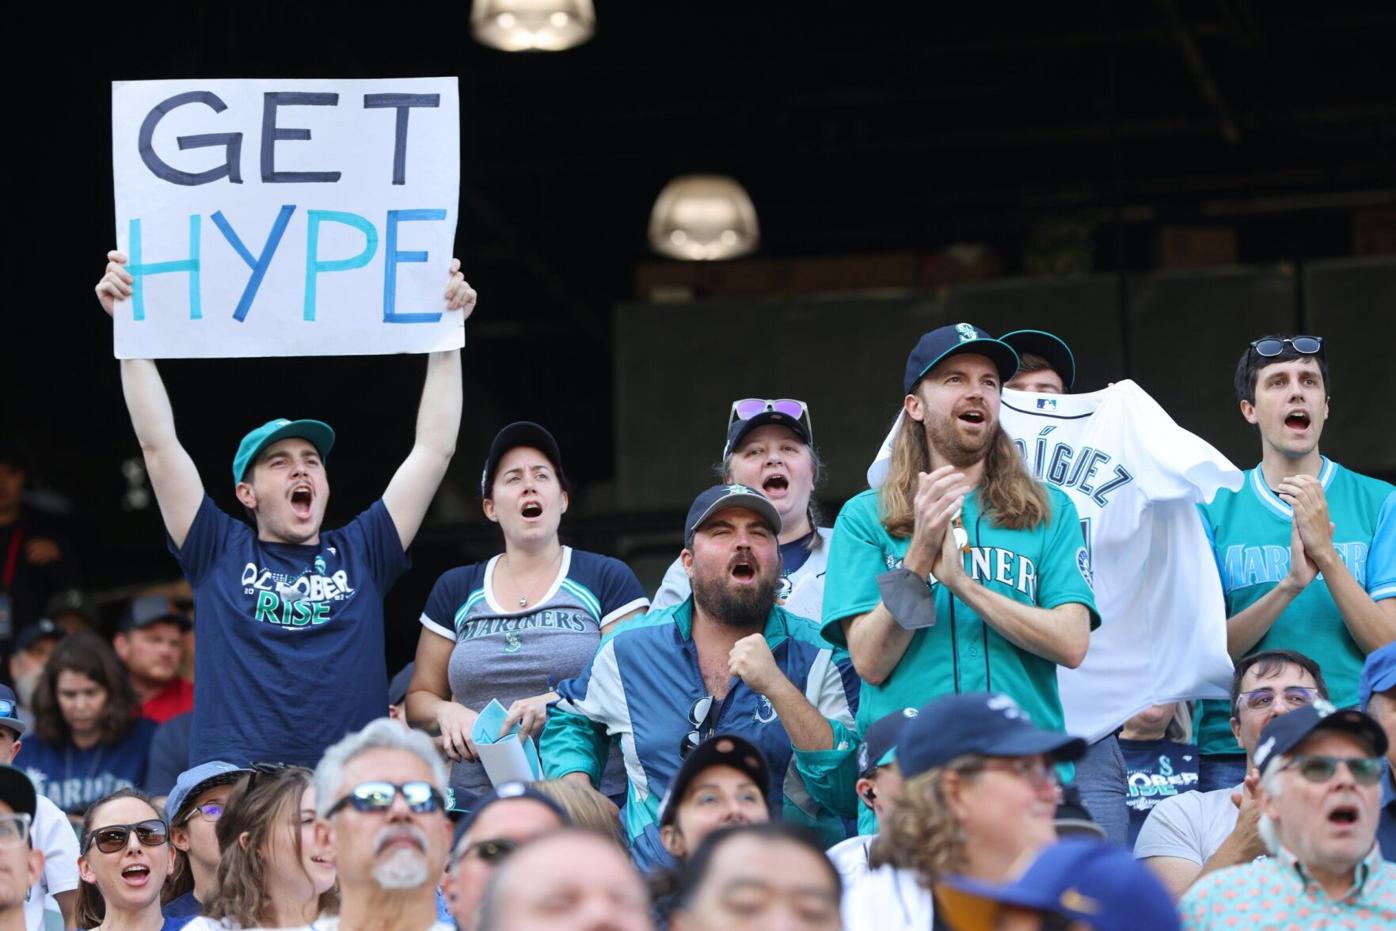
(703, 218)
(532, 25)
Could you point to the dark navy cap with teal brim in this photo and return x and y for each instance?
(1052, 348)
(315, 432)
(981, 723)
(879, 746)
(942, 343)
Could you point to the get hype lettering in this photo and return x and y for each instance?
(231, 169)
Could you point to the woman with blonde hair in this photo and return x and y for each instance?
(273, 873)
(958, 571)
(125, 861)
(979, 792)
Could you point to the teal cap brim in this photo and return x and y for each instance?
(318, 433)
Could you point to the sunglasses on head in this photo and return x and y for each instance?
(377, 796)
(1366, 770)
(115, 837)
(1273, 346)
(8, 709)
(747, 408)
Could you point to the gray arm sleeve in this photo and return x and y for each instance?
(907, 598)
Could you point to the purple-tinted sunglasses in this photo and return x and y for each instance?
(747, 408)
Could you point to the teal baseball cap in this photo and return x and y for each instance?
(316, 432)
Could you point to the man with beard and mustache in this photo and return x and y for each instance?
(725, 660)
(380, 794)
(961, 573)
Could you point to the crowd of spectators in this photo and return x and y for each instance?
(806, 727)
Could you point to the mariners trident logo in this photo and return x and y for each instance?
(966, 332)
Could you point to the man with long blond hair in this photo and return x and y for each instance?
(962, 573)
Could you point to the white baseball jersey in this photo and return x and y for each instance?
(1136, 478)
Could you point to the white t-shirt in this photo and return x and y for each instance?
(204, 923)
(1190, 826)
(850, 857)
(52, 833)
(887, 899)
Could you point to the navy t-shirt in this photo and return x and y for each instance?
(74, 778)
(290, 654)
(180, 911)
(1158, 769)
(794, 554)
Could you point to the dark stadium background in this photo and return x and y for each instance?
(858, 129)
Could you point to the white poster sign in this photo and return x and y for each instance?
(286, 217)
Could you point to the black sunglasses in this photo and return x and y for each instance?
(377, 796)
(700, 716)
(1304, 345)
(115, 837)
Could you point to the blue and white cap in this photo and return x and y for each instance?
(976, 722)
(1288, 731)
(193, 781)
(879, 746)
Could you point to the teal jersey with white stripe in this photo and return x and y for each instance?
(1045, 566)
(1250, 533)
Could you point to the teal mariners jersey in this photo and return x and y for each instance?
(1250, 532)
(1046, 566)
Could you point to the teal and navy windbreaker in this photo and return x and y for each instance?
(639, 691)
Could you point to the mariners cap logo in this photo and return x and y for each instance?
(1005, 705)
(1262, 753)
(1323, 707)
(909, 712)
(966, 332)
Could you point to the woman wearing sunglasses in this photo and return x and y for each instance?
(125, 861)
(770, 447)
(87, 739)
(272, 873)
(512, 627)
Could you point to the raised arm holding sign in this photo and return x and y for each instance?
(290, 615)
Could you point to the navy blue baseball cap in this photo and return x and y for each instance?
(17, 791)
(1090, 881)
(42, 629)
(505, 792)
(199, 779)
(9, 711)
(1378, 674)
(879, 746)
(315, 432)
(947, 341)
(720, 750)
(397, 688)
(520, 433)
(1288, 731)
(719, 498)
(976, 722)
(1052, 348)
(149, 609)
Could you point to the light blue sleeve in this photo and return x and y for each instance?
(1381, 558)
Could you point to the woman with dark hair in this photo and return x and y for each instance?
(770, 447)
(125, 861)
(273, 873)
(87, 741)
(512, 627)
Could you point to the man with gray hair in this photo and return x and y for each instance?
(1320, 793)
(380, 796)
